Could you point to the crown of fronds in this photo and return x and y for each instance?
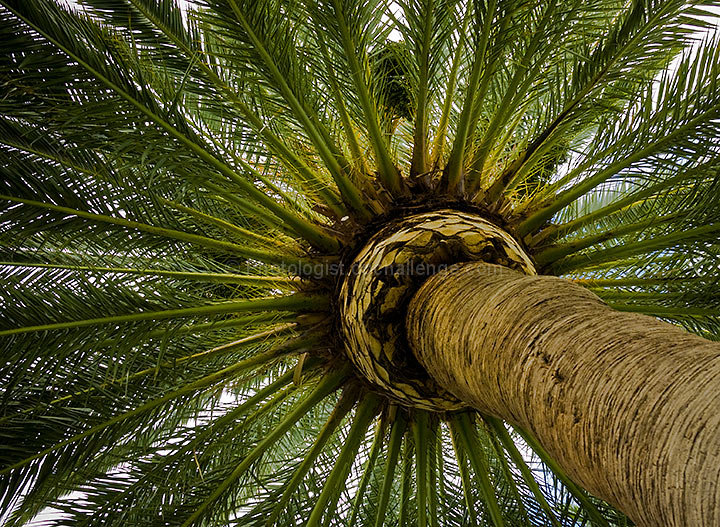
(168, 170)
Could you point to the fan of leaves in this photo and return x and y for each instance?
(177, 178)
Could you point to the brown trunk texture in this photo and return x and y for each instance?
(628, 405)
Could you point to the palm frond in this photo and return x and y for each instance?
(182, 183)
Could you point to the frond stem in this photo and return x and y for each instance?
(535, 220)
(343, 406)
(325, 387)
(440, 134)
(231, 346)
(347, 190)
(454, 170)
(467, 434)
(375, 449)
(579, 261)
(389, 173)
(296, 302)
(327, 501)
(555, 252)
(209, 380)
(310, 179)
(396, 435)
(224, 278)
(225, 246)
(502, 434)
(420, 430)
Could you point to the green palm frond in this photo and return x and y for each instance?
(178, 179)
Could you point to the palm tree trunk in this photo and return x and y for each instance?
(628, 406)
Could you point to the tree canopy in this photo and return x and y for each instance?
(178, 179)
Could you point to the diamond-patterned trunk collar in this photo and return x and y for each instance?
(385, 275)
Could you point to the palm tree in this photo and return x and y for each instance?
(340, 262)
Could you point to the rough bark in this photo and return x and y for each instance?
(628, 405)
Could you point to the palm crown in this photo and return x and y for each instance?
(177, 181)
